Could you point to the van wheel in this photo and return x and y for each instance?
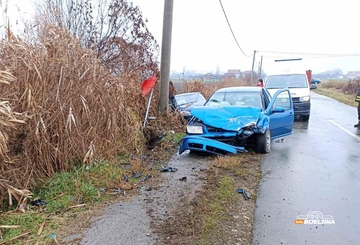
(262, 144)
(305, 118)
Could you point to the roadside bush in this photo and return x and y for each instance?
(347, 87)
(351, 87)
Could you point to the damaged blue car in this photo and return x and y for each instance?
(234, 119)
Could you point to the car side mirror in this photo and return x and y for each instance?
(313, 86)
(278, 110)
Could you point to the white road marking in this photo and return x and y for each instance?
(345, 130)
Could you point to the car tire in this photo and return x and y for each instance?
(263, 141)
(305, 118)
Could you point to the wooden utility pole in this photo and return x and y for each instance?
(260, 70)
(165, 56)
(252, 68)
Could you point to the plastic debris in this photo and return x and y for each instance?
(136, 175)
(102, 189)
(148, 176)
(126, 178)
(141, 157)
(241, 191)
(53, 236)
(118, 191)
(38, 202)
(169, 169)
(183, 178)
(72, 199)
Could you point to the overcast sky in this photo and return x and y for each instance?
(202, 40)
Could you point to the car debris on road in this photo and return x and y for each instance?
(169, 169)
(242, 191)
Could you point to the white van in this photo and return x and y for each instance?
(299, 87)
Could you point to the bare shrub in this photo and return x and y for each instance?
(113, 29)
(351, 87)
(347, 87)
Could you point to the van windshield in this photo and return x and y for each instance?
(289, 81)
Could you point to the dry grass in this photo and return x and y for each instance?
(343, 91)
(61, 106)
(347, 87)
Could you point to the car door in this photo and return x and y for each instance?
(281, 113)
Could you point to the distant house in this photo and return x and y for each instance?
(247, 74)
(209, 76)
(233, 73)
(353, 74)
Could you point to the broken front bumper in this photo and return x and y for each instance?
(198, 143)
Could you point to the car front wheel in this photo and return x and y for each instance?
(262, 144)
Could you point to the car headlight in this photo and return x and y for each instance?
(185, 113)
(304, 99)
(191, 129)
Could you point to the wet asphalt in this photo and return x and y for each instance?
(317, 168)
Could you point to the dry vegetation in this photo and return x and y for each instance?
(62, 104)
(343, 91)
(349, 87)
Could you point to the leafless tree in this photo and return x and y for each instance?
(114, 29)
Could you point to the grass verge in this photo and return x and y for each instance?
(337, 95)
(216, 207)
(221, 202)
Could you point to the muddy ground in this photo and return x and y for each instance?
(176, 207)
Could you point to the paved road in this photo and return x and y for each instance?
(315, 169)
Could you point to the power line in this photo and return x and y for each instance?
(320, 55)
(313, 57)
(232, 31)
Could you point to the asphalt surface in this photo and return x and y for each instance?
(317, 168)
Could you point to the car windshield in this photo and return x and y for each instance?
(182, 99)
(290, 81)
(236, 98)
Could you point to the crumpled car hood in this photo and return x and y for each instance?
(231, 118)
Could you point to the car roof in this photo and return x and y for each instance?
(188, 93)
(287, 73)
(242, 88)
